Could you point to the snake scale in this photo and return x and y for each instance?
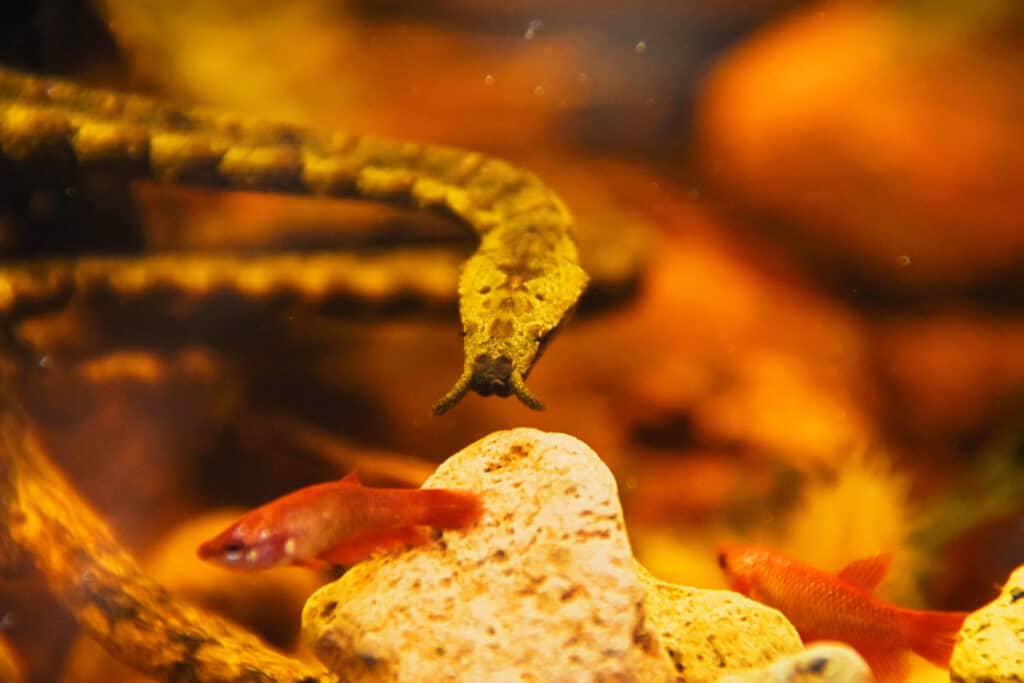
(514, 290)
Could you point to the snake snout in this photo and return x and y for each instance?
(492, 375)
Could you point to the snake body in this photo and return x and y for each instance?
(514, 290)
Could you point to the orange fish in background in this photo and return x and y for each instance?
(824, 606)
(340, 522)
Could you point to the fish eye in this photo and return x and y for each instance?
(233, 552)
(722, 562)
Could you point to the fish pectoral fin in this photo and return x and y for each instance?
(359, 548)
(868, 572)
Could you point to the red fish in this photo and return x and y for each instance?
(340, 522)
(824, 606)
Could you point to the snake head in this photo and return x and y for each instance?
(514, 293)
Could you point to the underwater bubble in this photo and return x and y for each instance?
(582, 78)
(45, 362)
(640, 47)
(539, 90)
(488, 79)
(533, 28)
(904, 261)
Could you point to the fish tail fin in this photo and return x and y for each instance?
(447, 509)
(933, 634)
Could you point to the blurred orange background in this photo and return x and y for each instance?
(808, 328)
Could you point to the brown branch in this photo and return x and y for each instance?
(138, 621)
(10, 668)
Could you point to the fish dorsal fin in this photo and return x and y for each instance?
(868, 572)
(351, 478)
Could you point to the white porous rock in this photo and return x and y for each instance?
(543, 588)
(710, 633)
(990, 647)
(820, 663)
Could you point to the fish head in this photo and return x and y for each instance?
(248, 545)
(740, 566)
